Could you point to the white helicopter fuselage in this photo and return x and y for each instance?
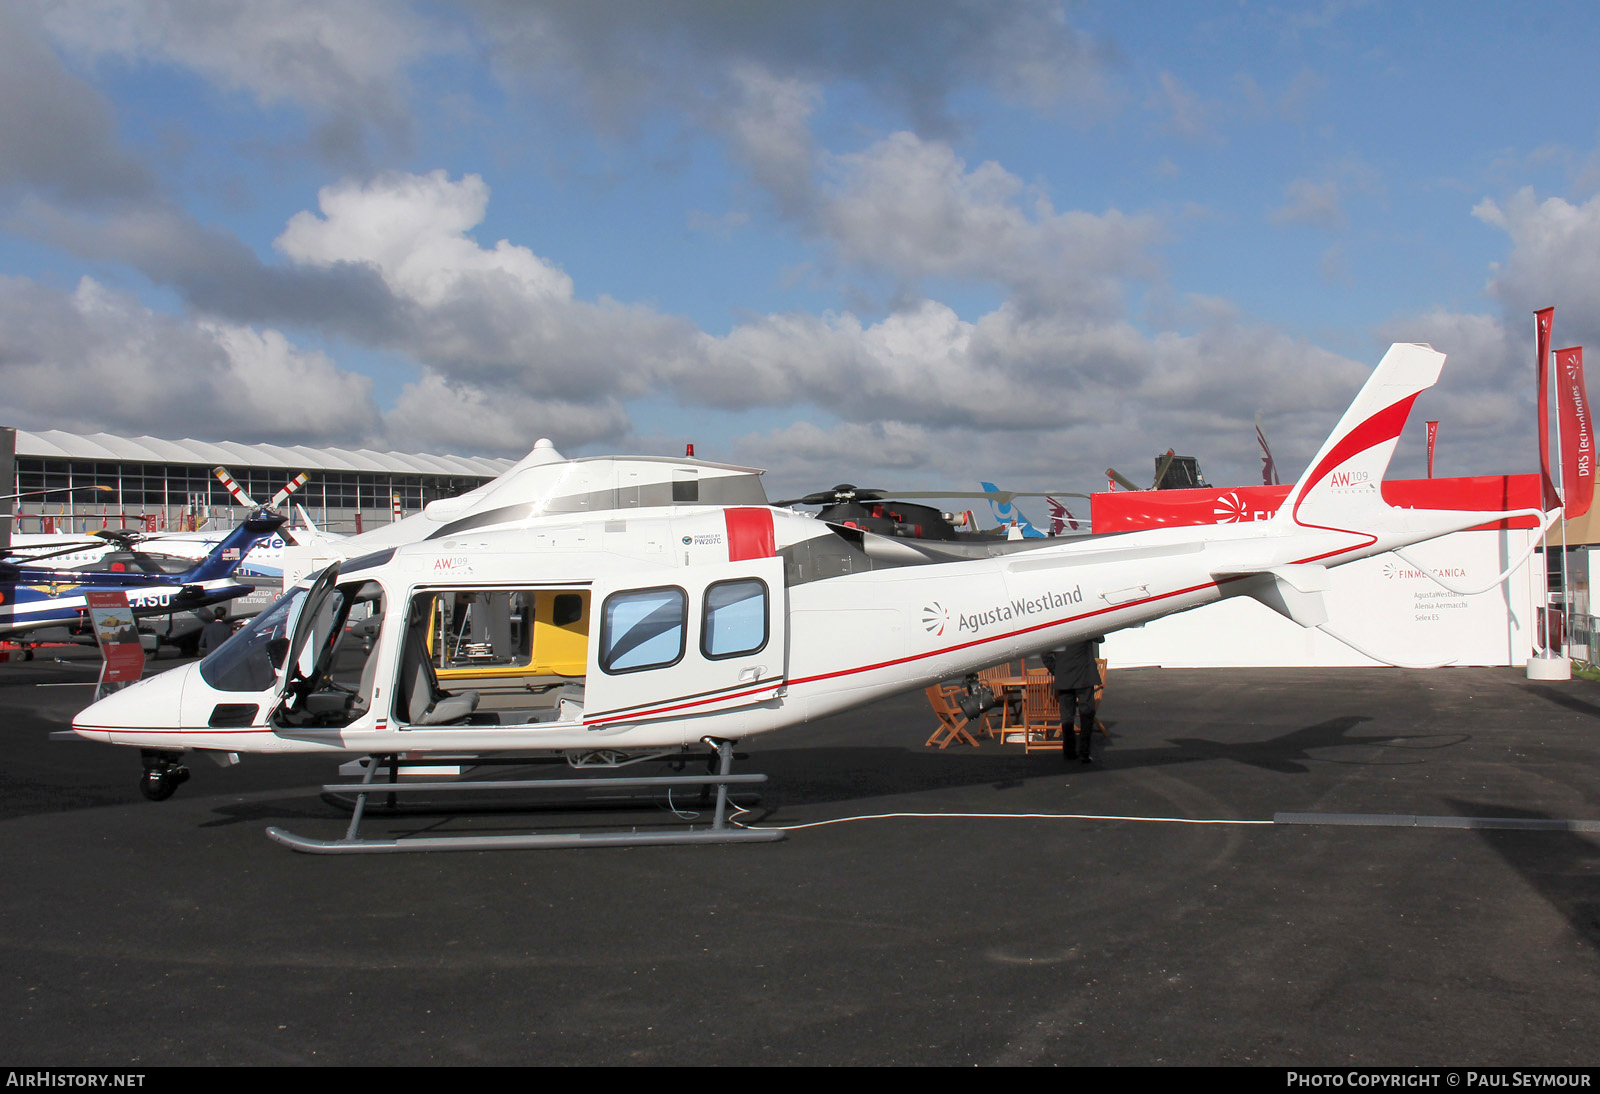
(516, 629)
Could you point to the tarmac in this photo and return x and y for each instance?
(1336, 867)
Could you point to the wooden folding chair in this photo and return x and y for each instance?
(952, 726)
(1040, 723)
(991, 676)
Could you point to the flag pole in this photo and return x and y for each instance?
(1561, 493)
(1543, 665)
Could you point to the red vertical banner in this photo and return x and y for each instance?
(1577, 432)
(1433, 437)
(1543, 318)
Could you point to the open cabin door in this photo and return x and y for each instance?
(715, 638)
(257, 667)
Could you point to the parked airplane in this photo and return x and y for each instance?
(613, 609)
(33, 597)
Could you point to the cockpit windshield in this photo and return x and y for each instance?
(250, 660)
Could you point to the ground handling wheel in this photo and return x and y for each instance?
(162, 776)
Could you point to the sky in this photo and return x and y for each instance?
(904, 243)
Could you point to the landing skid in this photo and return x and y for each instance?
(719, 831)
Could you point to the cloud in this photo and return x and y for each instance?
(767, 121)
(508, 352)
(1029, 398)
(1554, 260)
(1187, 115)
(434, 414)
(96, 359)
(347, 61)
(912, 208)
(1311, 203)
(413, 229)
(1320, 203)
(217, 274)
(626, 58)
(480, 315)
(57, 132)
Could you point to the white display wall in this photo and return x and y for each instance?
(1384, 605)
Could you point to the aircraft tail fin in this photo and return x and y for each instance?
(1007, 513)
(1342, 487)
(227, 554)
(1342, 490)
(1061, 518)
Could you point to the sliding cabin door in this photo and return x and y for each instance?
(714, 638)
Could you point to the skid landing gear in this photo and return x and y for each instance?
(719, 831)
(163, 774)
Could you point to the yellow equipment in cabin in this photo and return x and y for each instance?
(490, 634)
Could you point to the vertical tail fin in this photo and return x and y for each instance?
(1006, 512)
(226, 555)
(1342, 487)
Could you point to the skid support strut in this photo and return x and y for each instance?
(720, 830)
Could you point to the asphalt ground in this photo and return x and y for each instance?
(139, 934)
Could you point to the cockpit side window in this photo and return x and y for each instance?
(251, 659)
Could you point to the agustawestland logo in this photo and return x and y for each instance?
(1230, 509)
(936, 617)
(1396, 572)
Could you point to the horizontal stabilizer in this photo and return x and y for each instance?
(1294, 592)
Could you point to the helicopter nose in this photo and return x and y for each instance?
(137, 712)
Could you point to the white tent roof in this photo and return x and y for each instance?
(59, 445)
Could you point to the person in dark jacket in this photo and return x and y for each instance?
(1076, 677)
(215, 633)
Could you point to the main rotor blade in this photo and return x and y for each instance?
(1002, 496)
(234, 488)
(289, 488)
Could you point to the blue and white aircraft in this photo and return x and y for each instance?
(1007, 513)
(33, 596)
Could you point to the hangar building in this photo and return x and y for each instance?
(165, 483)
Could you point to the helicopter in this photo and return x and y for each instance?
(34, 597)
(885, 513)
(609, 610)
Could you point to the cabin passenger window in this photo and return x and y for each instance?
(642, 629)
(736, 618)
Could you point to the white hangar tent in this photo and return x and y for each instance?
(164, 481)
